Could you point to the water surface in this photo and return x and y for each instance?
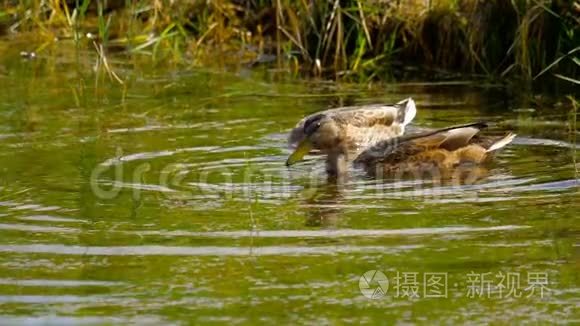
(166, 200)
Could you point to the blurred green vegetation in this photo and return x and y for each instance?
(523, 39)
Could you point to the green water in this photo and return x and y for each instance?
(166, 200)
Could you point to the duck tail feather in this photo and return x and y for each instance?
(502, 142)
(407, 110)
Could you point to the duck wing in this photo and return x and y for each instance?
(401, 113)
(396, 150)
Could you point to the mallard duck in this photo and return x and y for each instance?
(349, 129)
(440, 154)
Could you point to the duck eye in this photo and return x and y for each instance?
(312, 128)
(312, 124)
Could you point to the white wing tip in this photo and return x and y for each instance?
(502, 142)
(410, 110)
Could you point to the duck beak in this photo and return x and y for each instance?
(303, 148)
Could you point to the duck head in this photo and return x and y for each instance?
(322, 133)
(325, 134)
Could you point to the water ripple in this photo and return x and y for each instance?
(36, 228)
(198, 251)
(334, 233)
(150, 155)
(331, 233)
(543, 142)
(49, 299)
(206, 125)
(57, 283)
(73, 321)
(548, 186)
(48, 218)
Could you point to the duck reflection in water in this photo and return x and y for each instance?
(323, 205)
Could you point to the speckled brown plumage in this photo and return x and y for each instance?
(437, 153)
(359, 126)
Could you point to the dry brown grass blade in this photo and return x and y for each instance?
(279, 23)
(294, 23)
(568, 79)
(364, 24)
(293, 40)
(339, 48)
(105, 63)
(330, 25)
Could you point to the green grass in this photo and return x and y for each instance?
(520, 39)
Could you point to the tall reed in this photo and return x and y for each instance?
(524, 39)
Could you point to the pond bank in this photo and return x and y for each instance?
(362, 40)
